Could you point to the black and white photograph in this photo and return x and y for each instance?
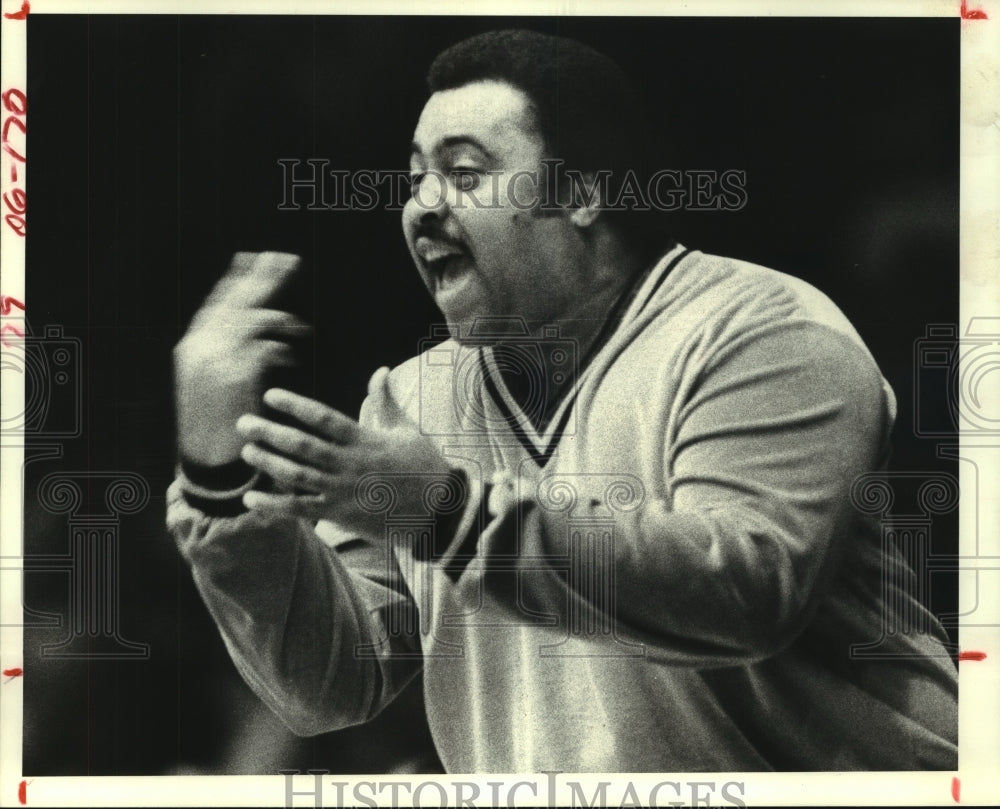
(408, 396)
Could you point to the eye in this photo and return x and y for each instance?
(466, 179)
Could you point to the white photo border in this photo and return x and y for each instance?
(977, 782)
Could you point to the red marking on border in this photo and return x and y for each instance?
(956, 789)
(16, 102)
(972, 13)
(20, 15)
(13, 119)
(7, 301)
(972, 655)
(12, 673)
(16, 155)
(16, 200)
(22, 793)
(16, 222)
(12, 95)
(12, 329)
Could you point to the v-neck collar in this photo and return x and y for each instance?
(541, 443)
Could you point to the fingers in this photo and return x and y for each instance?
(268, 275)
(274, 354)
(320, 419)
(253, 279)
(239, 266)
(297, 445)
(285, 472)
(296, 462)
(285, 505)
(245, 324)
(279, 324)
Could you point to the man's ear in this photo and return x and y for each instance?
(588, 198)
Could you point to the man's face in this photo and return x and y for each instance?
(475, 168)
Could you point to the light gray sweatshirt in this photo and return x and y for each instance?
(670, 577)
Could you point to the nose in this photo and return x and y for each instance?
(428, 205)
(432, 192)
(430, 198)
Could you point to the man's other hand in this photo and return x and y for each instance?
(318, 464)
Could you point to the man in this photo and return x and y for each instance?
(610, 517)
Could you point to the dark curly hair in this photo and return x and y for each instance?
(586, 108)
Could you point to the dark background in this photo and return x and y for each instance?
(153, 143)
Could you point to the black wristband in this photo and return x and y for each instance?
(231, 507)
(224, 477)
(218, 490)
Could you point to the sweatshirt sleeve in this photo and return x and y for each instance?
(318, 630)
(724, 561)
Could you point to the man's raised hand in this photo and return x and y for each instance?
(220, 364)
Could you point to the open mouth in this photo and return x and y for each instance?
(447, 270)
(444, 261)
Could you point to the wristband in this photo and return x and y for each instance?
(217, 490)
(219, 478)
